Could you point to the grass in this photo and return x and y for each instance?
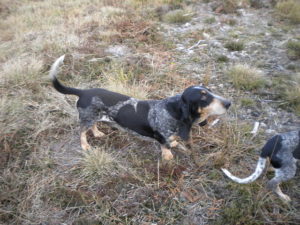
(231, 22)
(98, 163)
(245, 77)
(231, 6)
(291, 94)
(247, 102)
(45, 177)
(210, 20)
(289, 10)
(222, 58)
(178, 16)
(235, 45)
(288, 90)
(293, 49)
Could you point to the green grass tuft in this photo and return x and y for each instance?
(235, 45)
(290, 10)
(222, 58)
(247, 102)
(246, 78)
(288, 90)
(177, 16)
(293, 49)
(210, 20)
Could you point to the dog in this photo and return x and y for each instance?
(161, 120)
(283, 150)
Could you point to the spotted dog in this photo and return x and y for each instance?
(283, 151)
(161, 120)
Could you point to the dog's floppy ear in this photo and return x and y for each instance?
(181, 111)
(186, 120)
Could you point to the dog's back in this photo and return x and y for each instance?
(281, 148)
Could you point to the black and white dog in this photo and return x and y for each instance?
(283, 151)
(161, 120)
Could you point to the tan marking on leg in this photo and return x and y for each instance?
(172, 138)
(173, 144)
(83, 141)
(166, 153)
(96, 132)
(284, 197)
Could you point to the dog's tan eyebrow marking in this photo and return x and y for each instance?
(203, 92)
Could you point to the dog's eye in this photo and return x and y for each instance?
(203, 92)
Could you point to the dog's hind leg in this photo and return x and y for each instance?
(284, 197)
(83, 140)
(85, 126)
(87, 122)
(282, 174)
(96, 132)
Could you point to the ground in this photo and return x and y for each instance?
(246, 51)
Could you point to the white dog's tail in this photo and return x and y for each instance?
(56, 84)
(55, 66)
(261, 164)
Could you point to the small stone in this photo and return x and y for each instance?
(255, 114)
(263, 124)
(270, 131)
(118, 50)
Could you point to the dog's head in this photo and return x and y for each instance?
(199, 103)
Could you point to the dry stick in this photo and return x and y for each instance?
(195, 45)
(214, 123)
(255, 129)
(158, 173)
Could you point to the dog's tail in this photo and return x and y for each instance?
(261, 164)
(56, 84)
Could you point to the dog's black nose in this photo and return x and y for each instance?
(203, 123)
(227, 104)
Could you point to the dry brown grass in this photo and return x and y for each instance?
(289, 9)
(231, 6)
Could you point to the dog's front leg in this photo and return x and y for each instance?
(173, 142)
(83, 140)
(166, 153)
(190, 142)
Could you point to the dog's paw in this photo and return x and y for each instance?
(167, 155)
(86, 147)
(285, 198)
(98, 134)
